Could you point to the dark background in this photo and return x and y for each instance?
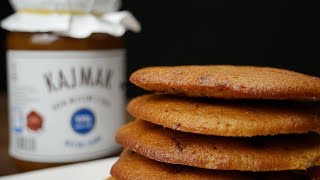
(264, 33)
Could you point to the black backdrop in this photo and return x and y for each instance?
(264, 33)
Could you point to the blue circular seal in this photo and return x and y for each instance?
(82, 121)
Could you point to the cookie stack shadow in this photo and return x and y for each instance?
(221, 122)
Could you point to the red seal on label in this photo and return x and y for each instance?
(34, 121)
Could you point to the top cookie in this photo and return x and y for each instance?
(228, 82)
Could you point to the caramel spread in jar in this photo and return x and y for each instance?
(66, 98)
(66, 80)
(25, 41)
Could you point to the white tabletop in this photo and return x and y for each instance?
(93, 170)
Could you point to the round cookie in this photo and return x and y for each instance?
(225, 118)
(134, 166)
(228, 82)
(294, 152)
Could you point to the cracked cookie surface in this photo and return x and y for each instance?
(132, 165)
(285, 152)
(228, 82)
(226, 118)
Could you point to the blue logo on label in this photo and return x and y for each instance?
(18, 119)
(82, 121)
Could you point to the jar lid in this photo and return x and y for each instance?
(67, 6)
(73, 18)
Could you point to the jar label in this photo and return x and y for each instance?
(65, 106)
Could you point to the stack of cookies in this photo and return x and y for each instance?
(221, 122)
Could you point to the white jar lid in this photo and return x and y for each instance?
(73, 18)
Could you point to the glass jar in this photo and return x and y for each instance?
(66, 97)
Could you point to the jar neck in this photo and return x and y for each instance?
(31, 41)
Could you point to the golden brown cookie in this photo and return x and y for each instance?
(290, 152)
(225, 118)
(228, 82)
(134, 166)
